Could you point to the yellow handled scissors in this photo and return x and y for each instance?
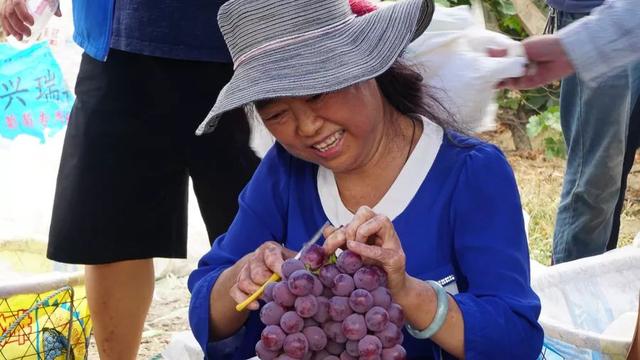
(275, 277)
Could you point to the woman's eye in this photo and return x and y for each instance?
(275, 116)
(316, 97)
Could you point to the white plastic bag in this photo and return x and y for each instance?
(452, 56)
(589, 306)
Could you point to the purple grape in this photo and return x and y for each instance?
(327, 274)
(285, 357)
(354, 327)
(339, 308)
(313, 257)
(360, 301)
(342, 285)
(372, 357)
(306, 306)
(396, 315)
(264, 353)
(272, 338)
(370, 346)
(351, 347)
(282, 296)
(310, 322)
(345, 356)
(322, 315)
(376, 318)
(396, 352)
(267, 295)
(296, 345)
(307, 355)
(326, 292)
(271, 313)
(381, 297)
(291, 265)
(382, 275)
(334, 348)
(300, 283)
(333, 329)
(291, 322)
(318, 288)
(321, 355)
(366, 278)
(332, 357)
(349, 262)
(316, 338)
(390, 335)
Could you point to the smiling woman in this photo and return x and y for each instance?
(362, 144)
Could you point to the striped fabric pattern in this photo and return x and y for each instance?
(303, 47)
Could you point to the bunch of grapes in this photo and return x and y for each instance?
(334, 309)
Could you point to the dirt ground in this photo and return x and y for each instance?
(539, 180)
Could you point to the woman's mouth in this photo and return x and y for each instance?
(330, 142)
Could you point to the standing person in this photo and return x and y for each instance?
(150, 71)
(595, 123)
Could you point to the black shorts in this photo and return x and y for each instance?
(129, 150)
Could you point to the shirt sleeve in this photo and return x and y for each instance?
(260, 218)
(605, 41)
(499, 308)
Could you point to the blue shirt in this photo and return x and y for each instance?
(185, 30)
(463, 222)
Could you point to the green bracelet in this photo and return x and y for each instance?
(442, 308)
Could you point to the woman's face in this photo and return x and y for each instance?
(340, 130)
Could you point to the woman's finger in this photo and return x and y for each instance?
(20, 8)
(273, 257)
(363, 214)
(244, 281)
(238, 296)
(259, 271)
(337, 239)
(381, 230)
(19, 27)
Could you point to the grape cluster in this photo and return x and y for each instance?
(334, 309)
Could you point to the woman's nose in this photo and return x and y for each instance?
(308, 123)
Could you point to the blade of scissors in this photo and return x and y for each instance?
(312, 240)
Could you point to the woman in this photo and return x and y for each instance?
(358, 145)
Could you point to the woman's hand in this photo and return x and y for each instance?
(373, 237)
(256, 268)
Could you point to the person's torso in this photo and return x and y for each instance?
(186, 30)
(429, 247)
(177, 30)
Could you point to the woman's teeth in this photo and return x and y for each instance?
(330, 142)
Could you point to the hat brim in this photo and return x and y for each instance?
(363, 49)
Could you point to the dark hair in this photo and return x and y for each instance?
(403, 88)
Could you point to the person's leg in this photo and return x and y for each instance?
(594, 122)
(633, 142)
(222, 162)
(119, 296)
(121, 196)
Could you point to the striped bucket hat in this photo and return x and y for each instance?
(305, 47)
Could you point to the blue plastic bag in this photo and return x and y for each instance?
(34, 98)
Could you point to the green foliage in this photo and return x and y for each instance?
(547, 125)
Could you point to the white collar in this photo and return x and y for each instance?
(401, 192)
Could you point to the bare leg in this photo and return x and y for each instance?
(119, 296)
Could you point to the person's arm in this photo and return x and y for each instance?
(591, 47)
(499, 307)
(604, 41)
(214, 285)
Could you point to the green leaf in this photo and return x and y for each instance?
(443, 3)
